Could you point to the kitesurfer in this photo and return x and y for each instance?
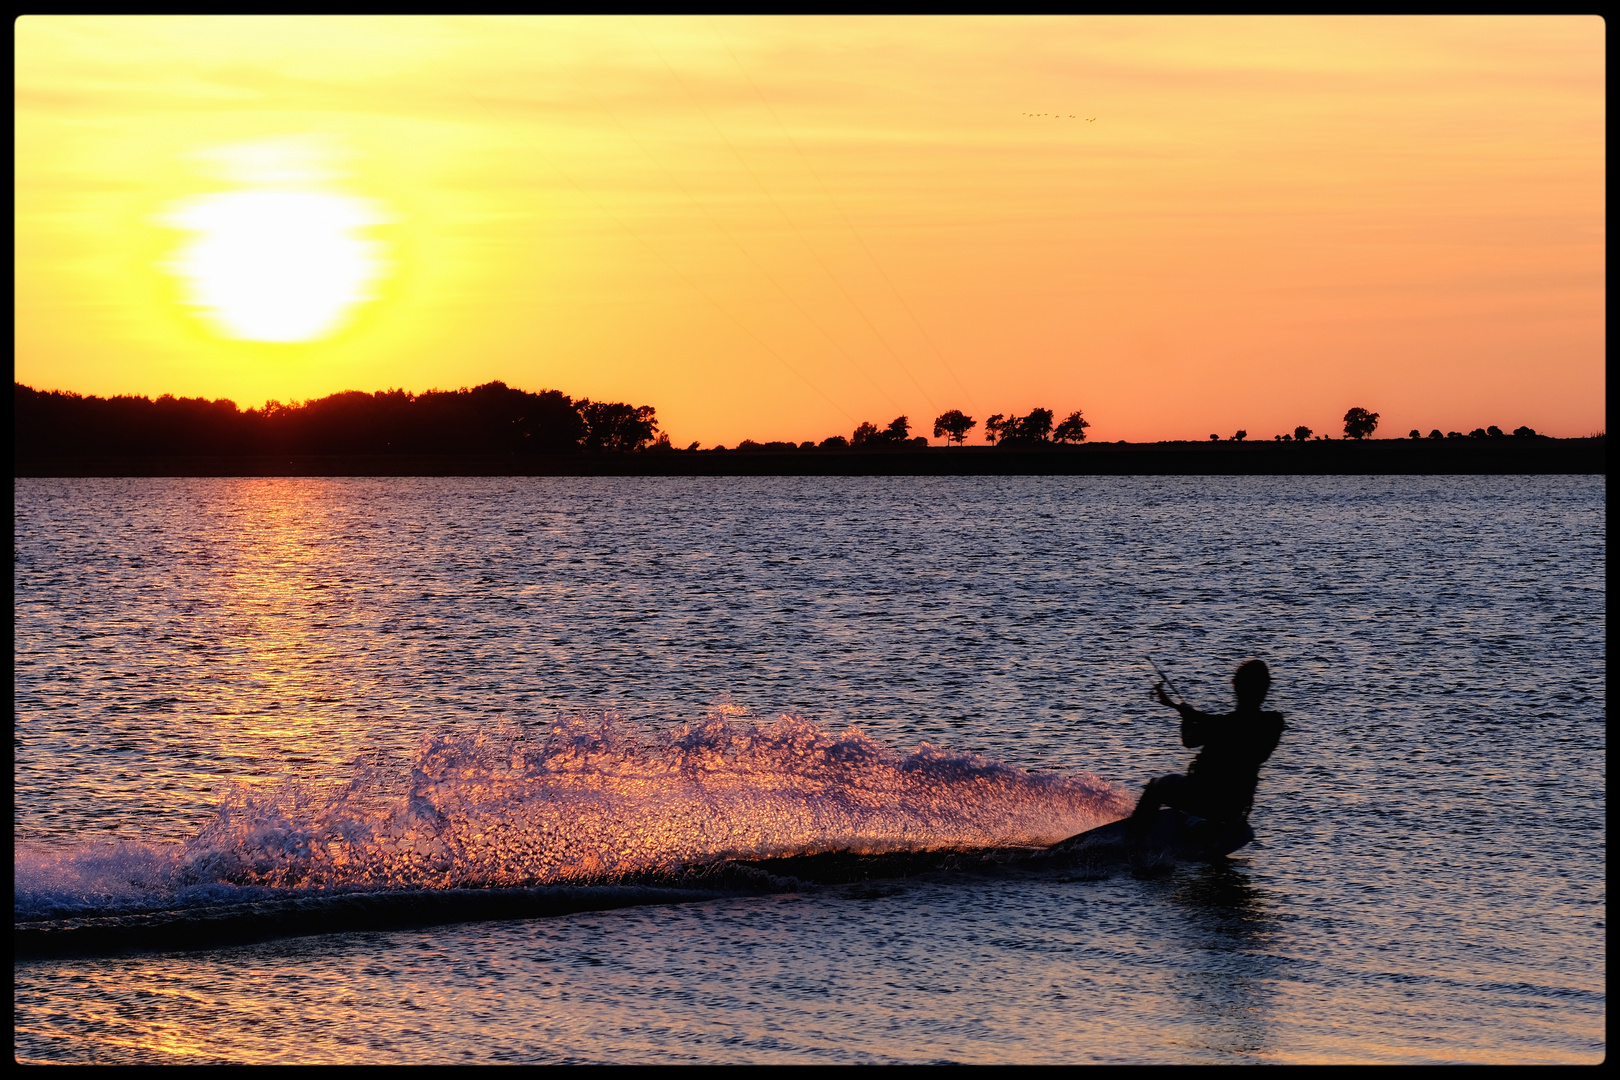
(1219, 784)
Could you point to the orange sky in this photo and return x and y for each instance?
(779, 227)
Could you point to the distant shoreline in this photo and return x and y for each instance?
(1388, 457)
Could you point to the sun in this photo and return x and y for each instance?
(282, 258)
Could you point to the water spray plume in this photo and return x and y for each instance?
(592, 799)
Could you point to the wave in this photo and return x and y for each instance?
(592, 801)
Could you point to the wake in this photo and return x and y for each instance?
(592, 802)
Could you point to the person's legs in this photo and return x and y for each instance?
(1185, 793)
(1160, 791)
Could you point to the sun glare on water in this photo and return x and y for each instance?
(284, 257)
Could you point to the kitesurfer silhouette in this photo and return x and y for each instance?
(1219, 784)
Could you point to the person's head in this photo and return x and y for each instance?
(1251, 683)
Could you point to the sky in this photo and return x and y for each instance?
(777, 228)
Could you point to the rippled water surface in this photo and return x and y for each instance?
(273, 691)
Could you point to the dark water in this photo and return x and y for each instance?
(268, 692)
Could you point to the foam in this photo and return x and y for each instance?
(590, 800)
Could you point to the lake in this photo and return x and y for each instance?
(276, 695)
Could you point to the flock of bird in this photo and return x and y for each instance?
(1059, 116)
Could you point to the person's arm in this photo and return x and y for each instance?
(1194, 729)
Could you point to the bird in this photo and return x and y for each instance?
(1090, 119)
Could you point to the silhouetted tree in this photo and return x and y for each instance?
(1302, 434)
(1435, 434)
(868, 436)
(1525, 432)
(1240, 435)
(1359, 423)
(1072, 430)
(1036, 427)
(954, 426)
(1014, 430)
(1214, 437)
(55, 423)
(615, 426)
(834, 442)
(1495, 432)
(1477, 433)
(1414, 434)
(492, 418)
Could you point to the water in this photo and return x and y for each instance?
(240, 695)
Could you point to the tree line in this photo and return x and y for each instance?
(1359, 424)
(489, 419)
(1002, 429)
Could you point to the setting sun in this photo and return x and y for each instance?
(283, 258)
(276, 265)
